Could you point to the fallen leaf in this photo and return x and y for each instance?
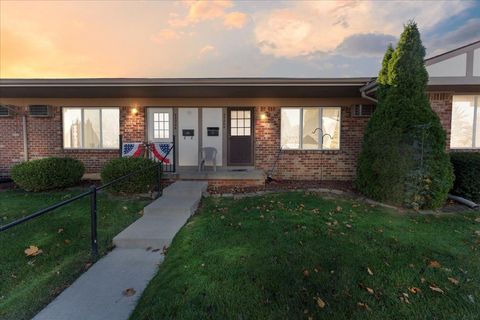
(478, 220)
(369, 271)
(434, 264)
(306, 273)
(422, 280)
(129, 292)
(453, 280)
(348, 226)
(338, 209)
(320, 302)
(60, 230)
(414, 290)
(67, 241)
(370, 290)
(125, 208)
(435, 288)
(165, 250)
(33, 251)
(364, 305)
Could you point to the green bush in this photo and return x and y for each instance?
(403, 159)
(137, 183)
(466, 167)
(48, 173)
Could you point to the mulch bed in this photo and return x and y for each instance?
(283, 185)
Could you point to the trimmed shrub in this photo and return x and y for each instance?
(403, 159)
(466, 167)
(48, 173)
(138, 183)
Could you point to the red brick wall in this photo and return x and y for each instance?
(441, 103)
(11, 142)
(325, 165)
(45, 138)
(308, 164)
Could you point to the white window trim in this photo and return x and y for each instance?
(82, 138)
(319, 132)
(476, 113)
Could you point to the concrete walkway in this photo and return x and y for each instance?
(98, 294)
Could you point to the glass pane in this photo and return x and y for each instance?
(165, 117)
(155, 116)
(462, 122)
(91, 128)
(160, 117)
(331, 128)
(234, 114)
(233, 123)
(247, 132)
(247, 114)
(290, 128)
(110, 127)
(241, 131)
(72, 127)
(233, 132)
(311, 124)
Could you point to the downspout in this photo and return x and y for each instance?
(364, 95)
(25, 139)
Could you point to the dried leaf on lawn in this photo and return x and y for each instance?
(414, 290)
(320, 302)
(364, 306)
(435, 288)
(306, 273)
(33, 251)
(453, 280)
(369, 271)
(370, 290)
(434, 264)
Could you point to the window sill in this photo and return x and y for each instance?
(79, 150)
(332, 151)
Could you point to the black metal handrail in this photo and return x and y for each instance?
(93, 203)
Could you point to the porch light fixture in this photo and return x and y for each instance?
(263, 116)
(134, 111)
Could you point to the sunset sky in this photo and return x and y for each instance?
(66, 39)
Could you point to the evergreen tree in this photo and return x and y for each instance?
(403, 158)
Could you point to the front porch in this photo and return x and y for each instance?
(223, 176)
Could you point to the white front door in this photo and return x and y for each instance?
(188, 136)
(160, 124)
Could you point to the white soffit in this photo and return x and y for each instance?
(476, 63)
(452, 67)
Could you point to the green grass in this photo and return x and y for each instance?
(29, 283)
(246, 259)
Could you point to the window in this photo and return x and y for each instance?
(465, 122)
(161, 125)
(91, 128)
(310, 128)
(240, 122)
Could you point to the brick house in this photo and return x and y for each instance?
(317, 123)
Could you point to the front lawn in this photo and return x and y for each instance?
(29, 283)
(301, 256)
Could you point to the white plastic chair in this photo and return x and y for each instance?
(207, 154)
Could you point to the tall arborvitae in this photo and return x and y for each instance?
(403, 158)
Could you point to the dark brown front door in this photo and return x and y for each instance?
(240, 136)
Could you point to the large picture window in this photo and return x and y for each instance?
(465, 133)
(91, 128)
(308, 128)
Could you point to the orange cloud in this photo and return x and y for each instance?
(199, 11)
(207, 49)
(165, 35)
(235, 20)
